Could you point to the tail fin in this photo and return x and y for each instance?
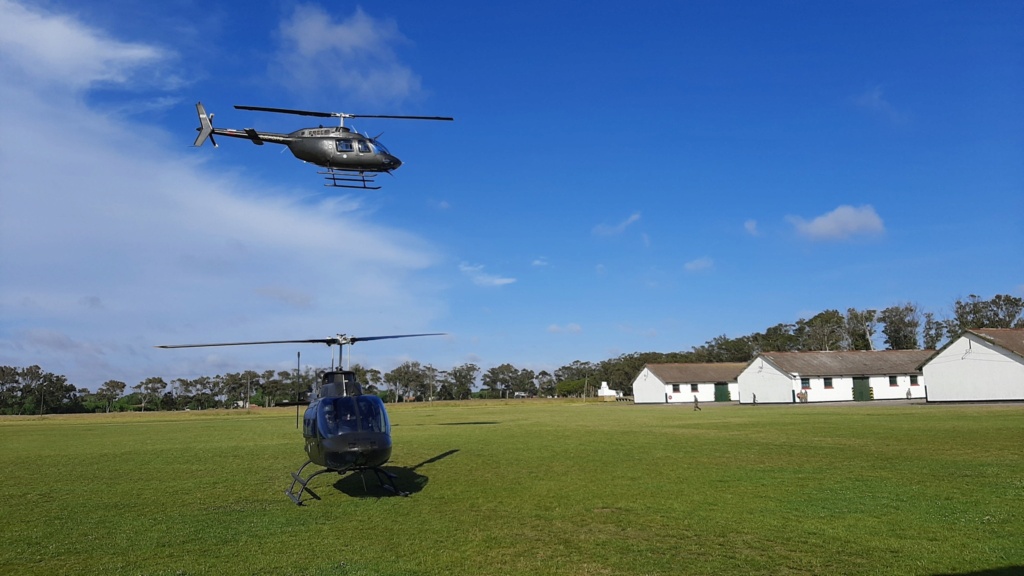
(205, 126)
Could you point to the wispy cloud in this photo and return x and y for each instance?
(571, 328)
(751, 227)
(475, 272)
(540, 262)
(699, 264)
(874, 101)
(612, 230)
(843, 223)
(359, 49)
(58, 50)
(160, 247)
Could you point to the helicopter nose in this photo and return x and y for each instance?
(394, 162)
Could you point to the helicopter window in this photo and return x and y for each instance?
(363, 146)
(344, 145)
(380, 147)
(338, 416)
(373, 417)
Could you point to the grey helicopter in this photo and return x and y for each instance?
(344, 429)
(349, 159)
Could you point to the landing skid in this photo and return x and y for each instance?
(385, 478)
(336, 178)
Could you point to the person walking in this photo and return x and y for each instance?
(696, 404)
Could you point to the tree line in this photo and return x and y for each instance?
(904, 326)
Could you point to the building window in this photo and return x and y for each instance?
(675, 388)
(693, 388)
(913, 379)
(805, 383)
(894, 381)
(828, 383)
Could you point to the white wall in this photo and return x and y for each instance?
(648, 388)
(772, 385)
(765, 381)
(971, 369)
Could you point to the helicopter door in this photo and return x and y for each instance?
(364, 147)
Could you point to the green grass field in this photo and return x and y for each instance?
(527, 487)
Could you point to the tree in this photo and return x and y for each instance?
(778, 338)
(371, 378)
(546, 385)
(570, 388)
(900, 324)
(406, 379)
(1002, 311)
(461, 380)
(524, 382)
(110, 390)
(933, 332)
(725, 349)
(499, 379)
(150, 389)
(860, 327)
(576, 371)
(824, 331)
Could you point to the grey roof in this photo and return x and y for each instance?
(849, 363)
(1011, 339)
(689, 373)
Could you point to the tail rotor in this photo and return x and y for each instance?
(205, 126)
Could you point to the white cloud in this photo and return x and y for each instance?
(608, 230)
(60, 51)
(571, 328)
(751, 227)
(699, 264)
(843, 223)
(874, 101)
(128, 242)
(480, 278)
(355, 55)
(540, 261)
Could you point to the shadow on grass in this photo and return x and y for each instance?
(364, 484)
(1006, 571)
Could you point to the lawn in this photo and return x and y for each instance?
(526, 487)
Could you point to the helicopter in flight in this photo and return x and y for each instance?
(349, 159)
(344, 429)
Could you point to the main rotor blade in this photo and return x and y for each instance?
(399, 117)
(354, 339)
(337, 114)
(327, 341)
(289, 111)
(340, 340)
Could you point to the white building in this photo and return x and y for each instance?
(679, 383)
(982, 364)
(775, 377)
(607, 394)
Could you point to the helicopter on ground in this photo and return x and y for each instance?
(349, 159)
(344, 429)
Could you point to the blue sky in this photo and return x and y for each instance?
(619, 177)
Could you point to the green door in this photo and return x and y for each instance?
(722, 392)
(861, 389)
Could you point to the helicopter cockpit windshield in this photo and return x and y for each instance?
(380, 147)
(347, 414)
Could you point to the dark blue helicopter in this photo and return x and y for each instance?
(344, 429)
